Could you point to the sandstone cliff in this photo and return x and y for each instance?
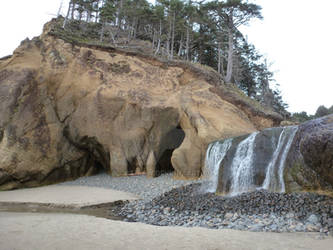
(68, 109)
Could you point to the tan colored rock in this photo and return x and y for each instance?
(288, 123)
(67, 110)
(151, 165)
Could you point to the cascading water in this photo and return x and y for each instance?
(215, 153)
(284, 157)
(274, 174)
(242, 166)
(256, 161)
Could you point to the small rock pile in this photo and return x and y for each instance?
(256, 211)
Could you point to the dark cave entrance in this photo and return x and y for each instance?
(96, 159)
(169, 143)
(99, 168)
(95, 164)
(134, 168)
(164, 164)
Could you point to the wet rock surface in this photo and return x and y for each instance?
(310, 160)
(189, 206)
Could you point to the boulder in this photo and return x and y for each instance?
(310, 160)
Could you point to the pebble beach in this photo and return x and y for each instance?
(169, 202)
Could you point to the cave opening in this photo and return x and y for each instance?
(95, 160)
(164, 164)
(169, 143)
(134, 168)
(99, 168)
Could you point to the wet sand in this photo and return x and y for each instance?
(69, 231)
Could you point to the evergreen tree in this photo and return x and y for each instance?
(227, 17)
(300, 117)
(107, 15)
(321, 111)
(330, 110)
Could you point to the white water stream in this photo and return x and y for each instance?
(215, 154)
(242, 166)
(274, 174)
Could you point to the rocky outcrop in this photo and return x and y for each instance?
(280, 159)
(310, 161)
(69, 109)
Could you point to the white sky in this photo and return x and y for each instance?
(295, 35)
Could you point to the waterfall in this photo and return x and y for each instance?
(274, 173)
(270, 181)
(253, 162)
(215, 154)
(284, 157)
(242, 167)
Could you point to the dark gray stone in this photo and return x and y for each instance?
(310, 161)
(256, 211)
(313, 219)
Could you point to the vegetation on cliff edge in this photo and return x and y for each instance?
(202, 33)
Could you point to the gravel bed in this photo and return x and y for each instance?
(169, 202)
(256, 211)
(145, 188)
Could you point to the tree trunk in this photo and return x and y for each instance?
(173, 35)
(230, 51)
(187, 50)
(89, 8)
(80, 16)
(219, 57)
(222, 65)
(169, 38)
(97, 12)
(159, 39)
(112, 36)
(119, 16)
(102, 32)
(67, 15)
(154, 37)
(134, 27)
(60, 8)
(180, 46)
(200, 46)
(87, 17)
(73, 9)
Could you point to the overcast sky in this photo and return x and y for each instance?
(295, 35)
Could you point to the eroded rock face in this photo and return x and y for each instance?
(67, 110)
(310, 161)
